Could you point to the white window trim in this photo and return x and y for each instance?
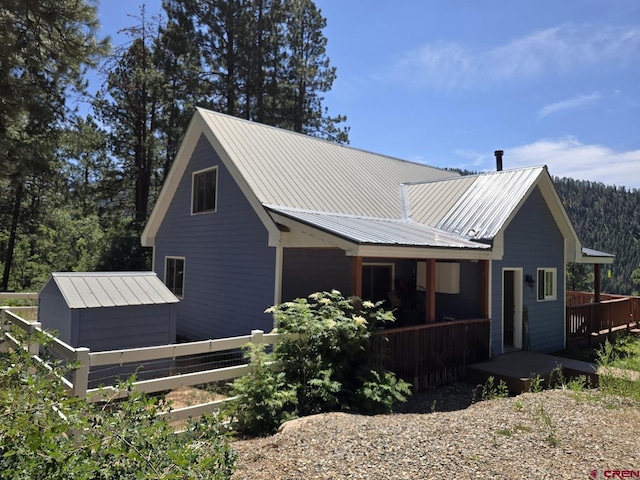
(215, 199)
(554, 272)
(184, 269)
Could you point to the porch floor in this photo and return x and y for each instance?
(519, 368)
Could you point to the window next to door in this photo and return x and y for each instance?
(547, 284)
(174, 275)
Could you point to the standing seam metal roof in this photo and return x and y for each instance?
(379, 231)
(298, 171)
(482, 210)
(112, 289)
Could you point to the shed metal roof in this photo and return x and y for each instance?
(379, 231)
(112, 289)
(286, 168)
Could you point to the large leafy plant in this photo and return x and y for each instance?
(326, 363)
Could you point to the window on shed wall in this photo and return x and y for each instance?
(547, 284)
(204, 191)
(174, 275)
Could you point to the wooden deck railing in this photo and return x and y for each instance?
(430, 355)
(586, 320)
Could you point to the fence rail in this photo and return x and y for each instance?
(588, 320)
(84, 359)
(430, 355)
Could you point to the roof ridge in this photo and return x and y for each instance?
(476, 175)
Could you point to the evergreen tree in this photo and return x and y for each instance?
(606, 218)
(45, 45)
(262, 60)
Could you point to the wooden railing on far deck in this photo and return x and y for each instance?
(584, 321)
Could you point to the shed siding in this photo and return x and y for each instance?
(309, 270)
(532, 240)
(135, 326)
(54, 314)
(229, 268)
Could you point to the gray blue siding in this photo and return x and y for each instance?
(309, 270)
(229, 268)
(116, 328)
(532, 240)
(54, 314)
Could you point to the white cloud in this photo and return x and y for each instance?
(560, 49)
(572, 103)
(567, 157)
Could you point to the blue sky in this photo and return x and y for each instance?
(446, 83)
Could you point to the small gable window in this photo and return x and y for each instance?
(547, 284)
(204, 191)
(174, 275)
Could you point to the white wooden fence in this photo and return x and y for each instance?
(85, 359)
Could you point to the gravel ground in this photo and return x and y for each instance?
(552, 434)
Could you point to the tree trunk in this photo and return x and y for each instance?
(12, 237)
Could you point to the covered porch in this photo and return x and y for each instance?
(423, 291)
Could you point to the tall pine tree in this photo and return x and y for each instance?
(45, 46)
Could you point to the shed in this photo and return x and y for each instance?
(108, 310)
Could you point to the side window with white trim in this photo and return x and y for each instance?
(174, 275)
(547, 280)
(204, 191)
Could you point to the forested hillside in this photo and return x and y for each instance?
(606, 218)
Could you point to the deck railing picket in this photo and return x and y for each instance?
(588, 320)
(432, 354)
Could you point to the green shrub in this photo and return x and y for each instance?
(265, 400)
(326, 364)
(46, 434)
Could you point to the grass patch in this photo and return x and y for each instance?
(623, 353)
(619, 362)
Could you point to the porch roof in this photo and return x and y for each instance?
(590, 255)
(378, 231)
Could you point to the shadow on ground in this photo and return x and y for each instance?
(446, 398)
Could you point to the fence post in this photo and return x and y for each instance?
(81, 374)
(33, 347)
(257, 338)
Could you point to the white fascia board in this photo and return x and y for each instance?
(272, 229)
(172, 181)
(382, 251)
(573, 248)
(301, 235)
(593, 260)
(498, 246)
(197, 127)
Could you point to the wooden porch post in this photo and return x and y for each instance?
(596, 282)
(484, 288)
(356, 276)
(430, 291)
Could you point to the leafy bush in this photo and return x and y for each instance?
(266, 400)
(325, 365)
(46, 434)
